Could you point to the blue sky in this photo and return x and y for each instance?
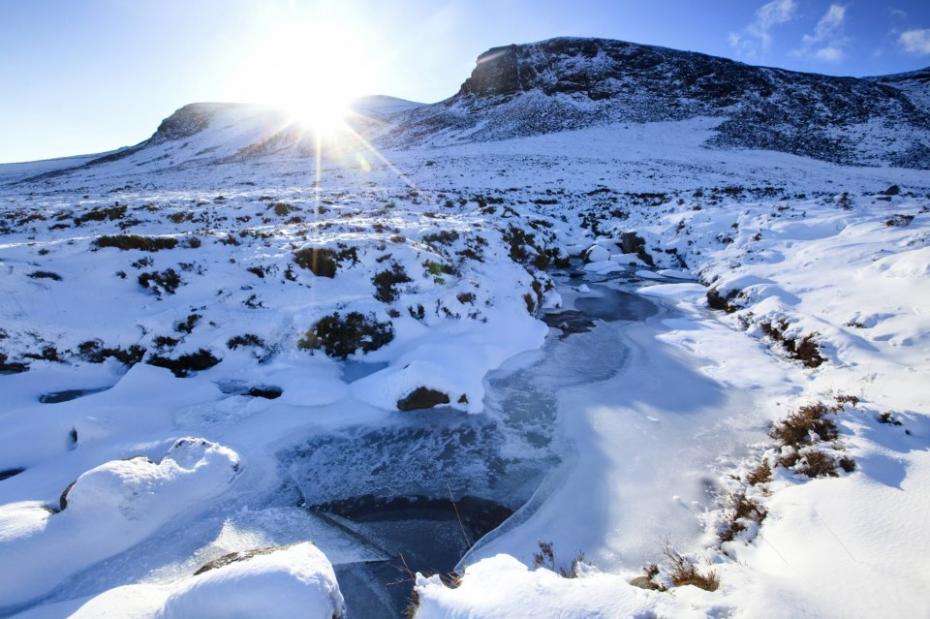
(91, 75)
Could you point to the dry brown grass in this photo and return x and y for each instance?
(684, 572)
(808, 424)
(127, 242)
(546, 558)
(742, 509)
(762, 474)
(804, 349)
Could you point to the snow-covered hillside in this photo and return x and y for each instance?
(603, 372)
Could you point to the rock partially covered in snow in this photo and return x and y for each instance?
(105, 511)
(283, 581)
(596, 253)
(296, 581)
(138, 487)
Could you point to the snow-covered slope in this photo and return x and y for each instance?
(208, 134)
(550, 359)
(915, 84)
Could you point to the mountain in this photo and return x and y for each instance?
(210, 133)
(569, 83)
(915, 84)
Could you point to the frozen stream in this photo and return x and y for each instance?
(601, 440)
(423, 488)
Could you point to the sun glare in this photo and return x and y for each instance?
(311, 69)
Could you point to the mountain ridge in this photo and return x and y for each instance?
(568, 83)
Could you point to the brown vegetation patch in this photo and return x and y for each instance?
(184, 365)
(803, 349)
(386, 282)
(684, 572)
(127, 242)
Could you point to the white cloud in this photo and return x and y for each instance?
(916, 41)
(756, 37)
(828, 40)
(829, 26)
(830, 54)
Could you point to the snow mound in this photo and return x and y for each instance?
(297, 581)
(105, 511)
(914, 264)
(137, 488)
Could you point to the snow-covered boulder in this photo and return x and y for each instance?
(596, 253)
(283, 581)
(105, 511)
(296, 581)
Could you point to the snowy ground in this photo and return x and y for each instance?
(622, 443)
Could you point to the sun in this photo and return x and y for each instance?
(311, 69)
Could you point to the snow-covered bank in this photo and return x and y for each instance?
(239, 304)
(107, 509)
(299, 579)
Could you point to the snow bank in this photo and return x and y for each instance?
(501, 587)
(107, 509)
(283, 582)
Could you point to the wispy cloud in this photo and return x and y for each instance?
(828, 40)
(916, 41)
(756, 37)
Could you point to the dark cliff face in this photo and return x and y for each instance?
(601, 69)
(187, 121)
(571, 83)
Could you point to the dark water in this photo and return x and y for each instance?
(8, 473)
(420, 534)
(56, 397)
(612, 304)
(237, 387)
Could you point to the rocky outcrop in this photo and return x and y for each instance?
(187, 121)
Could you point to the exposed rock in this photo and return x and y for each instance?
(719, 302)
(892, 191)
(8, 367)
(188, 120)
(569, 322)
(899, 220)
(632, 243)
(422, 397)
(596, 253)
(235, 557)
(644, 582)
(267, 392)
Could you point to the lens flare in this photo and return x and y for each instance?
(311, 69)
